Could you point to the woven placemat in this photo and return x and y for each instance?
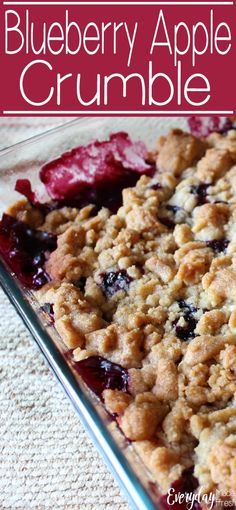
(47, 460)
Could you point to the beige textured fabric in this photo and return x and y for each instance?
(47, 460)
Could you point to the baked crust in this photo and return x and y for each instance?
(172, 322)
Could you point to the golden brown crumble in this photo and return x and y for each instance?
(177, 151)
(173, 325)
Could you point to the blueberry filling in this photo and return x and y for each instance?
(23, 186)
(24, 249)
(95, 167)
(173, 208)
(187, 307)
(167, 222)
(200, 190)
(80, 284)
(218, 245)
(107, 195)
(91, 174)
(203, 126)
(114, 281)
(100, 374)
(156, 186)
(186, 332)
(48, 309)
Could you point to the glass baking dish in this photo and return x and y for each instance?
(23, 160)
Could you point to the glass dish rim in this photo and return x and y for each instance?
(38, 136)
(136, 495)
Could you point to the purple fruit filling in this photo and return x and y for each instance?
(24, 249)
(188, 308)
(203, 126)
(100, 374)
(24, 187)
(48, 308)
(167, 222)
(200, 190)
(173, 208)
(96, 173)
(186, 332)
(218, 245)
(156, 186)
(114, 281)
(80, 284)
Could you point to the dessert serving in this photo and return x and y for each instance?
(133, 256)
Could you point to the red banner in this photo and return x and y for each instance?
(147, 58)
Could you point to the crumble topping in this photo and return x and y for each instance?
(152, 288)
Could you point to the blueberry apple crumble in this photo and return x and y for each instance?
(134, 258)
